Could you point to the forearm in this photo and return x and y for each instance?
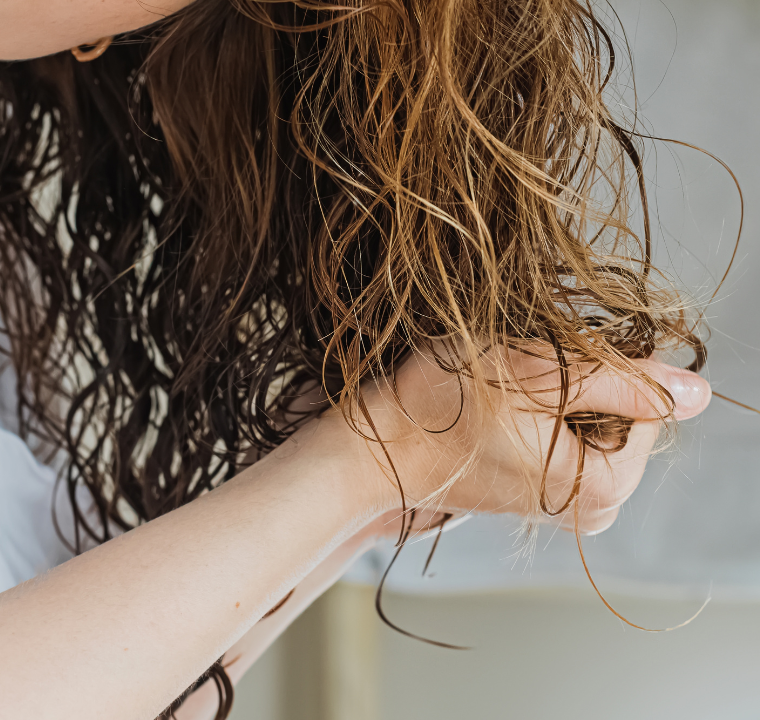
(203, 703)
(124, 629)
(32, 28)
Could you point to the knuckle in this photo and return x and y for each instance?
(599, 522)
(613, 483)
(642, 401)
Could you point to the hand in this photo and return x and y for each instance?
(197, 579)
(509, 445)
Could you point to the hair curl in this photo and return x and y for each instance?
(254, 198)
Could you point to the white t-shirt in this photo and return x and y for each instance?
(29, 543)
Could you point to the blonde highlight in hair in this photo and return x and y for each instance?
(255, 198)
(470, 143)
(337, 184)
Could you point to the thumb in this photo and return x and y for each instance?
(633, 397)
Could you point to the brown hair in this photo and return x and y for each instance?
(253, 198)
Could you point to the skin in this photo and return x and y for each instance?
(122, 630)
(33, 28)
(203, 703)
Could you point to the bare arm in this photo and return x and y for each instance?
(203, 703)
(122, 630)
(32, 28)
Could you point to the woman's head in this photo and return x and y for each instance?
(255, 197)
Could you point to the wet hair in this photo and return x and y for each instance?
(252, 199)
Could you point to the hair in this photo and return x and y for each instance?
(251, 198)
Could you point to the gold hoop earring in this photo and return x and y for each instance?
(99, 47)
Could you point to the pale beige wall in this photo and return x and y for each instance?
(538, 655)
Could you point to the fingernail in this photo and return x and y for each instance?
(691, 393)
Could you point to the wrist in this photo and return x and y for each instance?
(369, 471)
(358, 469)
(367, 477)
(372, 470)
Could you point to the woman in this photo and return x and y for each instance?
(363, 245)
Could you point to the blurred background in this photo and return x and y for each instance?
(542, 643)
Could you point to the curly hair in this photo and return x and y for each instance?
(251, 199)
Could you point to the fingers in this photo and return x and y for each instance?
(632, 397)
(605, 390)
(611, 478)
(592, 522)
(608, 479)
